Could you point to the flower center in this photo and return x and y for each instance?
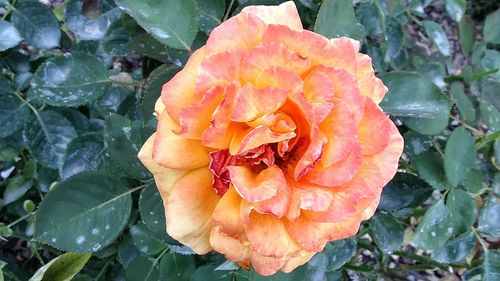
(258, 159)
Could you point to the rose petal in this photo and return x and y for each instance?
(244, 140)
(268, 237)
(369, 85)
(374, 129)
(241, 32)
(266, 265)
(283, 14)
(337, 173)
(251, 103)
(341, 133)
(164, 177)
(195, 118)
(189, 209)
(183, 82)
(297, 261)
(218, 69)
(257, 187)
(170, 150)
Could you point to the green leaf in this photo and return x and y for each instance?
(490, 61)
(16, 188)
(339, 252)
(336, 19)
(438, 36)
(85, 153)
(13, 114)
(430, 168)
(404, 191)
(492, 266)
(177, 267)
(426, 113)
(172, 22)
(416, 144)
(127, 251)
(146, 241)
(467, 34)
(464, 104)
(124, 139)
(490, 115)
(210, 13)
(297, 274)
(151, 89)
(491, 32)
(71, 80)
(489, 219)
(387, 232)
(61, 268)
(462, 209)
(83, 213)
(9, 35)
(47, 136)
(117, 40)
(37, 24)
(455, 8)
(473, 181)
(394, 37)
(151, 209)
(90, 28)
(436, 227)
(208, 272)
(459, 155)
(455, 250)
(370, 17)
(143, 269)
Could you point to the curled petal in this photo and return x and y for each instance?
(266, 265)
(189, 208)
(284, 14)
(268, 237)
(196, 117)
(374, 129)
(219, 134)
(218, 69)
(257, 187)
(251, 103)
(342, 133)
(369, 85)
(337, 173)
(277, 205)
(244, 140)
(166, 139)
(183, 82)
(297, 261)
(241, 32)
(318, 87)
(164, 177)
(272, 54)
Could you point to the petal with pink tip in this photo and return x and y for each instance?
(374, 129)
(257, 187)
(251, 103)
(283, 14)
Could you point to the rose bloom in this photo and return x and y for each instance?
(270, 142)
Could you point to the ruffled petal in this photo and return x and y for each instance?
(257, 187)
(183, 82)
(369, 85)
(241, 32)
(164, 177)
(374, 129)
(218, 70)
(268, 237)
(341, 133)
(251, 103)
(266, 265)
(283, 14)
(189, 209)
(337, 173)
(244, 140)
(170, 150)
(297, 261)
(195, 118)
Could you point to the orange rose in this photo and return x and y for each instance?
(270, 142)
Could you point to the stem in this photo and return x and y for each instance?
(487, 139)
(162, 254)
(419, 258)
(470, 128)
(103, 270)
(481, 241)
(228, 10)
(19, 220)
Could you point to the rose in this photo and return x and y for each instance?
(270, 142)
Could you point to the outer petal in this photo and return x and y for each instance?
(189, 208)
(195, 118)
(183, 82)
(269, 237)
(170, 150)
(254, 188)
(369, 85)
(266, 265)
(374, 129)
(241, 32)
(297, 261)
(284, 14)
(165, 178)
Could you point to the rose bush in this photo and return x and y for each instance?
(270, 142)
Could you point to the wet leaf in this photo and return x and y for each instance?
(438, 36)
(435, 228)
(336, 19)
(459, 155)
